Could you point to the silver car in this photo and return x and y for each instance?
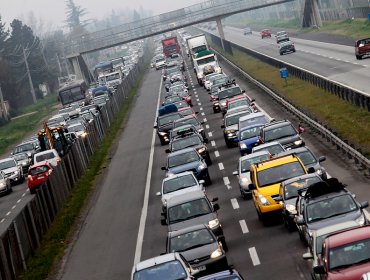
(5, 186)
(12, 171)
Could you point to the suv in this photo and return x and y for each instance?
(231, 126)
(283, 132)
(362, 48)
(286, 46)
(12, 170)
(266, 178)
(265, 33)
(225, 92)
(326, 203)
(171, 266)
(164, 125)
(247, 30)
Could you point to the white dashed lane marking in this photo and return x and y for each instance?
(197, 99)
(217, 154)
(205, 120)
(213, 143)
(2, 220)
(254, 256)
(202, 114)
(14, 207)
(7, 214)
(207, 126)
(234, 203)
(19, 200)
(221, 166)
(244, 227)
(210, 134)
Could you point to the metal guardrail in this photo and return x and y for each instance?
(205, 11)
(24, 234)
(323, 130)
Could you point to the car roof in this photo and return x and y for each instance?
(253, 155)
(188, 196)
(170, 114)
(295, 151)
(183, 151)
(174, 176)
(272, 143)
(336, 227)
(185, 118)
(156, 260)
(252, 116)
(276, 124)
(186, 230)
(348, 236)
(237, 110)
(276, 161)
(41, 163)
(302, 177)
(7, 159)
(46, 152)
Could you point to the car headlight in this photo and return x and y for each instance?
(217, 253)
(298, 142)
(29, 154)
(223, 103)
(200, 76)
(202, 166)
(16, 172)
(164, 202)
(201, 150)
(291, 208)
(213, 223)
(162, 133)
(2, 185)
(263, 200)
(245, 180)
(243, 146)
(24, 163)
(361, 220)
(84, 134)
(216, 104)
(200, 130)
(218, 70)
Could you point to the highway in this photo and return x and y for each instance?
(335, 62)
(123, 221)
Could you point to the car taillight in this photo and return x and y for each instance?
(29, 177)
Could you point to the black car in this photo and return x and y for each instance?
(23, 160)
(164, 125)
(199, 246)
(326, 203)
(283, 132)
(29, 148)
(286, 47)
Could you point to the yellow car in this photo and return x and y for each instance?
(266, 178)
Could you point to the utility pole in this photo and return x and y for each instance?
(59, 66)
(29, 77)
(3, 107)
(43, 55)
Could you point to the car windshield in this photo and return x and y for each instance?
(186, 112)
(291, 189)
(172, 99)
(19, 157)
(250, 132)
(191, 240)
(188, 210)
(330, 207)
(168, 119)
(205, 60)
(160, 60)
(112, 77)
(192, 121)
(45, 156)
(76, 128)
(172, 270)
(355, 253)
(307, 157)
(183, 158)
(181, 104)
(234, 119)
(183, 143)
(39, 169)
(246, 163)
(178, 88)
(7, 164)
(277, 174)
(252, 121)
(23, 148)
(279, 132)
(219, 81)
(229, 92)
(237, 103)
(179, 183)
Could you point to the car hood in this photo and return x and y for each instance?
(167, 196)
(10, 170)
(249, 141)
(287, 140)
(270, 190)
(335, 220)
(165, 128)
(350, 273)
(200, 252)
(185, 167)
(192, 222)
(232, 127)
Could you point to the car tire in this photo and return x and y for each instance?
(224, 244)
(243, 195)
(288, 224)
(208, 180)
(281, 53)
(208, 160)
(228, 144)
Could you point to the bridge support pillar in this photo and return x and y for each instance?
(221, 31)
(311, 15)
(80, 68)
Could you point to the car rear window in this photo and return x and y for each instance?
(45, 157)
(363, 42)
(39, 170)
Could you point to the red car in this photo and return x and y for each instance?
(362, 48)
(186, 97)
(187, 111)
(345, 255)
(265, 33)
(249, 101)
(38, 174)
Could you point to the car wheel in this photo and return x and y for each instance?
(288, 224)
(281, 53)
(163, 143)
(208, 160)
(224, 244)
(228, 144)
(244, 196)
(303, 239)
(208, 180)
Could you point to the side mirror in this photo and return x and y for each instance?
(272, 120)
(163, 168)
(202, 182)
(322, 158)
(300, 129)
(364, 204)
(158, 193)
(253, 100)
(163, 222)
(311, 170)
(11, 153)
(278, 198)
(216, 207)
(251, 187)
(201, 122)
(307, 256)
(222, 126)
(168, 151)
(214, 199)
(235, 173)
(320, 269)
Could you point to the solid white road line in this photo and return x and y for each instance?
(244, 227)
(213, 143)
(234, 203)
(210, 134)
(217, 154)
(221, 166)
(144, 211)
(254, 256)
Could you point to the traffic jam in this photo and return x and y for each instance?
(276, 172)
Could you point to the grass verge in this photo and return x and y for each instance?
(349, 121)
(19, 128)
(55, 241)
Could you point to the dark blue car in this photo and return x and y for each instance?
(248, 138)
(187, 160)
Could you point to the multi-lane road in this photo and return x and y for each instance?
(123, 223)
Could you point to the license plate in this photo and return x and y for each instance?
(41, 177)
(201, 268)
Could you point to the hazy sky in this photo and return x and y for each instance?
(52, 12)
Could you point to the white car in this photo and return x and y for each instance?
(50, 156)
(78, 128)
(178, 184)
(160, 63)
(12, 170)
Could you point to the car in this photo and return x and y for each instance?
(273, 148)
(38, 174)
(193, 208)
(177, 88)
(280, 33)
(318, 236)
(78, 128)
(23, 160)
(240, 100)
(224, 93)
(199, 246)
(57, 120)
(185, 96)
(207, 79)
(187, 160)
(266, 177)
(50, 156)
(309, 160)
(12, 170)
(265, 33)
(181, 104)
(345, 255)
(362, 48)
(178, 184)
(283, 132)
(193, 121)
(169, 70)
(183, 130)
(230, 274)
(326, 203)
(243, 170)
(230, 126)
(30, 148)
(211, 78)
(247, 31)
(164, 124)
(286, 46)
(282, 38)
(5, 185)
(171, 99)
(186, 140)
(160, 63)
(254, 118)
(187, 111)
(288, 194)
(172, 266)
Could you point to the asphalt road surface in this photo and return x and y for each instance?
(110, 238)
